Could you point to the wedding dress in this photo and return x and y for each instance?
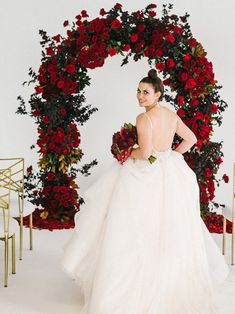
(140, 246)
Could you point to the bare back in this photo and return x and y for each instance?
(164, 124)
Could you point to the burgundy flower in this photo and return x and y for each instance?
(84, 13)
(134, 38)
(214, 108)
(38, 89)
(225, 178)
(192, 42)
(70, 68)
(170, 63)
(152, 13)
(60, 84)
(126, 47)
(63, 111)
(160, 66)
(117, 6)
(187, 57)
(50, 176)
(180, 100)
(115, 23)
(66, 23)
(102, 12)
(45, 119)
(50, 51)
(112, 51)
(191, 84)
(181, 112)
(170, 38)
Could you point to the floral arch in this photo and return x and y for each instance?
(58, 102)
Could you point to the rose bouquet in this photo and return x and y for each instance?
(124, 141)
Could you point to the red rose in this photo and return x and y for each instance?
(134, 38)
(191, 84)
(66, 23)
(56, 38)
(141, 28)
(225, 178)
(152, 13)
(50, 51)
(84, 13)
(219, 160)
(194, 103)
(198, 115)
(112, 51)
(50, 176)
(70, 68)
(177, 29)
(166, 82)
(63, 112)
(102, 12)
(184, 76)
(199, 144)
(117, 6)
(208, 172)
(38, 89)
(192, 42)
(152, 6)
(159, 52)
(160, 66)
(170, 63)
(170, 38)
(36, 112)
(181, 112)
(187, 57)
(60, 84)
(214, 108)
(206, 118)
(126, 47)
(180, 100)
(45, 119)
(115, 23)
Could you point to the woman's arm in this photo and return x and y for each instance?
(144, 133)
(189, 138)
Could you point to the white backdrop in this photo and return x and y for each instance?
(113, 88)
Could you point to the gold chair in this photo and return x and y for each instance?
(8, 225)
(18, 210)
(228, 213)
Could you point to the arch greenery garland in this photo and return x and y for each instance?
(58, 103)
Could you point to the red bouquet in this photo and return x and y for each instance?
(124, 141)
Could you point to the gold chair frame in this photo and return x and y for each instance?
(17, 185)
(233, 222)
(5, 185)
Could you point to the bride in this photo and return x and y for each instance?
(139, 245)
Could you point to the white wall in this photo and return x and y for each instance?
(113, 88)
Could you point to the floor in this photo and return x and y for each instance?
(41, 287)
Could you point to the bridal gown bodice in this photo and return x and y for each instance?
(140, 246)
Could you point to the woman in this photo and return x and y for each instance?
(140, 245)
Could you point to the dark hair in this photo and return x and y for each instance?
(153, 79)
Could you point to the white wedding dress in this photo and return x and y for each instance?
(139, 244)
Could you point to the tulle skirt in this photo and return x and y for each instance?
(140, 246)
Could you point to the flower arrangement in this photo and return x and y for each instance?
(124, 141)
(57, 105)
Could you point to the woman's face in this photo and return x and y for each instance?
(146, 94)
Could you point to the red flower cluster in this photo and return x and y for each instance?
(123, 142)
(59, 141)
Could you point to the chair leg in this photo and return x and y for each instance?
(21, 236)
(13, 254)
(31, 231)
(6, 262)
(232, 242)
(224, 236)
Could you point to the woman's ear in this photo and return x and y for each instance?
(158, 94)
